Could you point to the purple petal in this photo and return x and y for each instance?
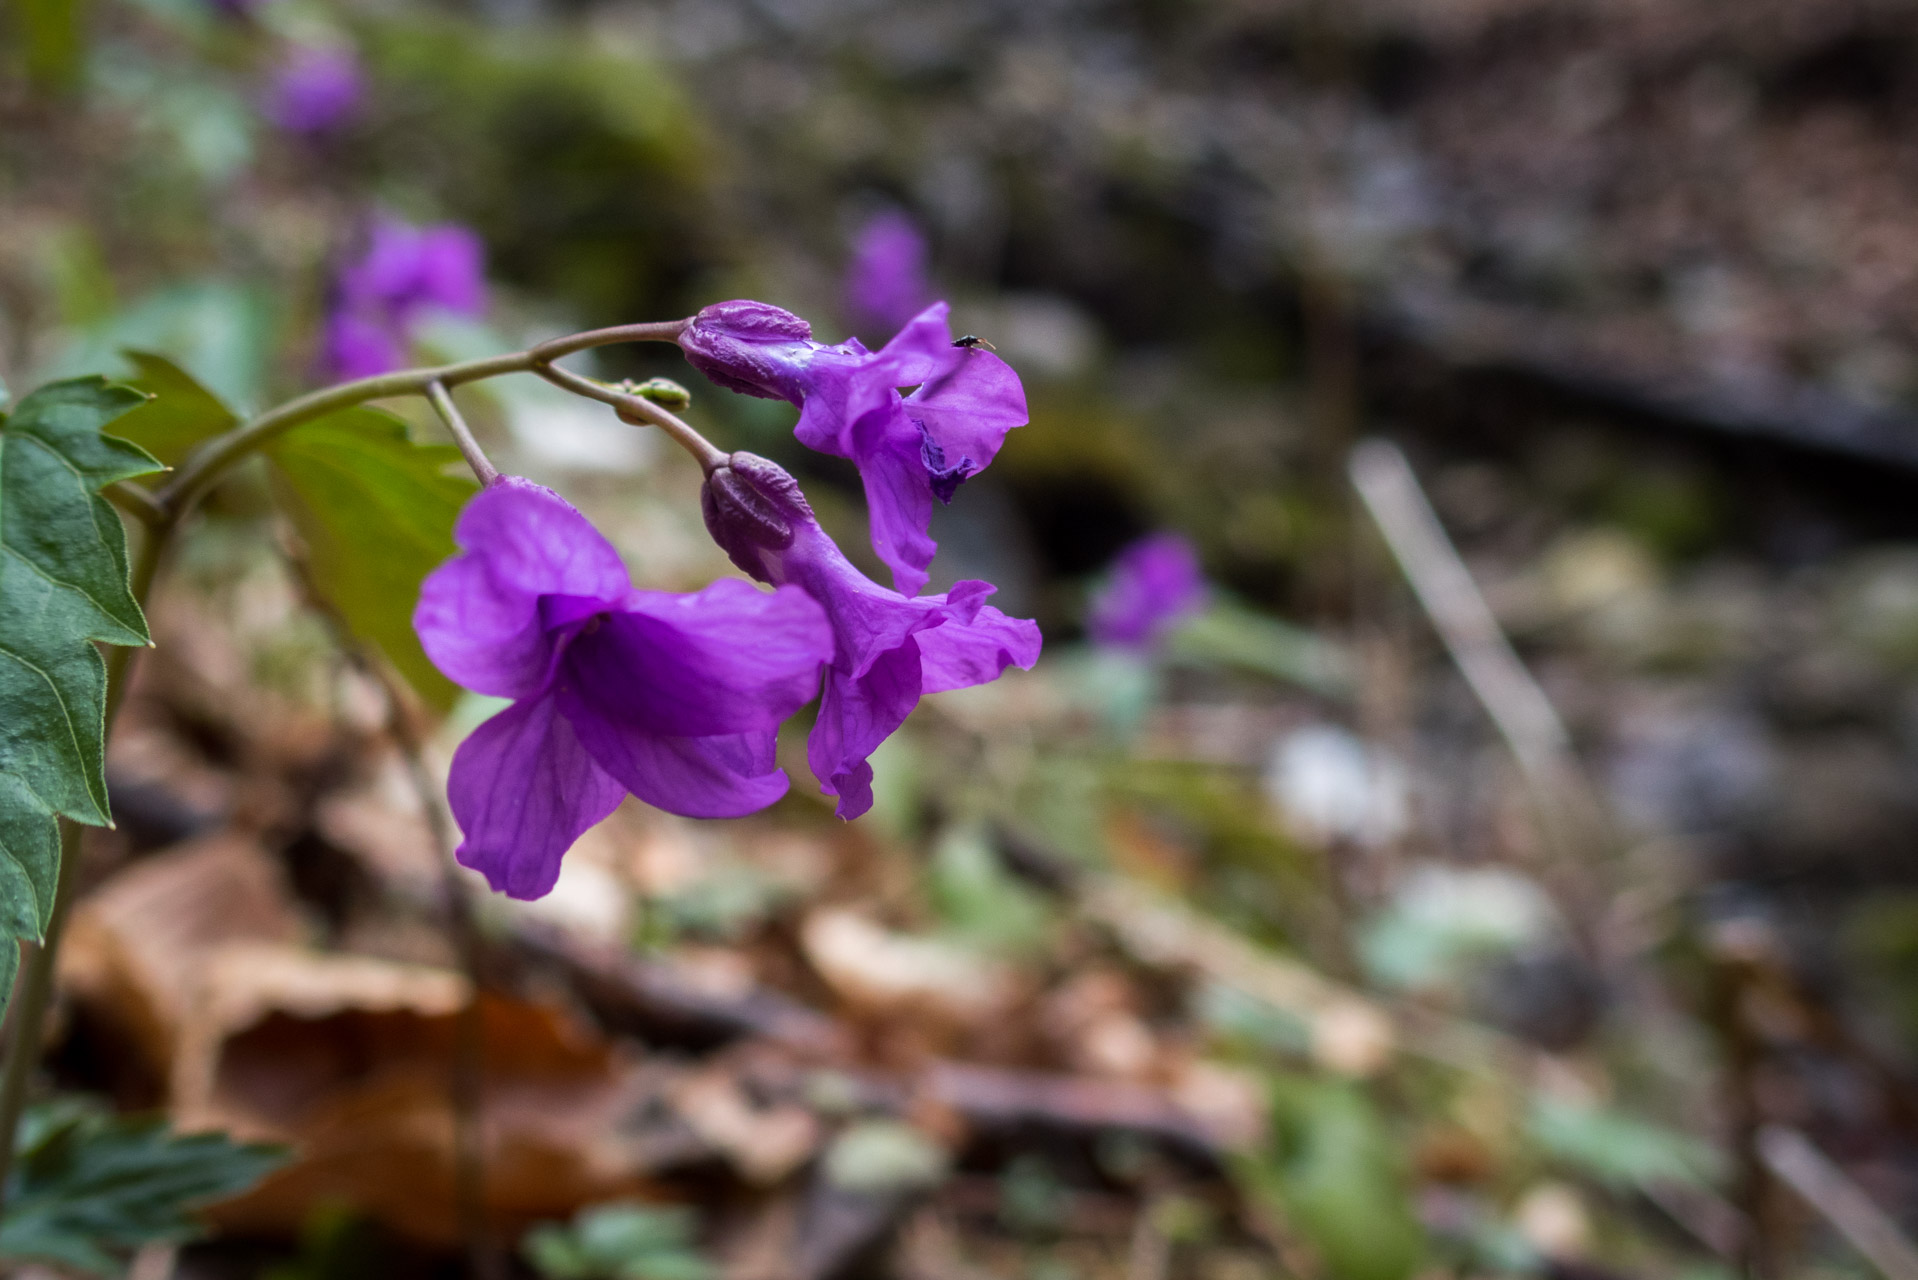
(958, 655)
(856, 714)
(964, 412)
(899, 507)
(451, 270)
(886, 279)
(729, 659)
(360, 345)
(479, 616)
(523, 789)
(725, 776)
(1153, 583)
(315, 90)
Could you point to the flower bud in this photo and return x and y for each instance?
(663, 392)
(750, 506)
(750, 347)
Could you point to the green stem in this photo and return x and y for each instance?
(35, 986)
(211, 460)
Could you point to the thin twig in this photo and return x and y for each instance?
(1824, 1186)
(639, 411)
(1571, 815)
(462, 434)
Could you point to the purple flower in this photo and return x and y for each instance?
(909, 449)
(1153, 584)
(886, 281)
(315, 90)
(405, 273)
(888, 649)
(675, 698)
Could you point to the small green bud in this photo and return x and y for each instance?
(663, 392)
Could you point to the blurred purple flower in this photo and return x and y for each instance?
(909, 449)
(675, 698)
(888, 649)
(1153, 584)
(315, 90)
(405, 273)
(886, 281)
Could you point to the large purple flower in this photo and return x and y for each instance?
(909, 449)
(675, 698)
(888, 649)
(316, 90)
(1153, 584)
(886, 281)
(405, 273)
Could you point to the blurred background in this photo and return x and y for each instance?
(1262, 943)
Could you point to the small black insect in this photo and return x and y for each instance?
(972, 341)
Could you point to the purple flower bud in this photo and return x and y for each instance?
(315, 90)
(1154, 584)
(888, 649)
(909, 449)
(886, 281)
(753, 348)
(674, 698)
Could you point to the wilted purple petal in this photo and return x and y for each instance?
(886, 281)
(315, 90)
(523, 788)
(1153, 584)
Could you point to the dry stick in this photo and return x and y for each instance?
(1824, 1186)
(1518, 707)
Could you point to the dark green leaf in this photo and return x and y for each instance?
(88, 1187)
(181, 414)
(376, 512)
(63, 584)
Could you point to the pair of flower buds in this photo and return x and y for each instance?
(678, 699)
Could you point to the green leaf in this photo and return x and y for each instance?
(180, 415)
(619, 1242)
(376, 511)
(88, 1188)
(1335, 1176)
(63, 584)
(1617, 1149)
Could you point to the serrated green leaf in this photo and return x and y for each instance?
(180, 415)
(88, 1188)
(376, 511)
(63, 584)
